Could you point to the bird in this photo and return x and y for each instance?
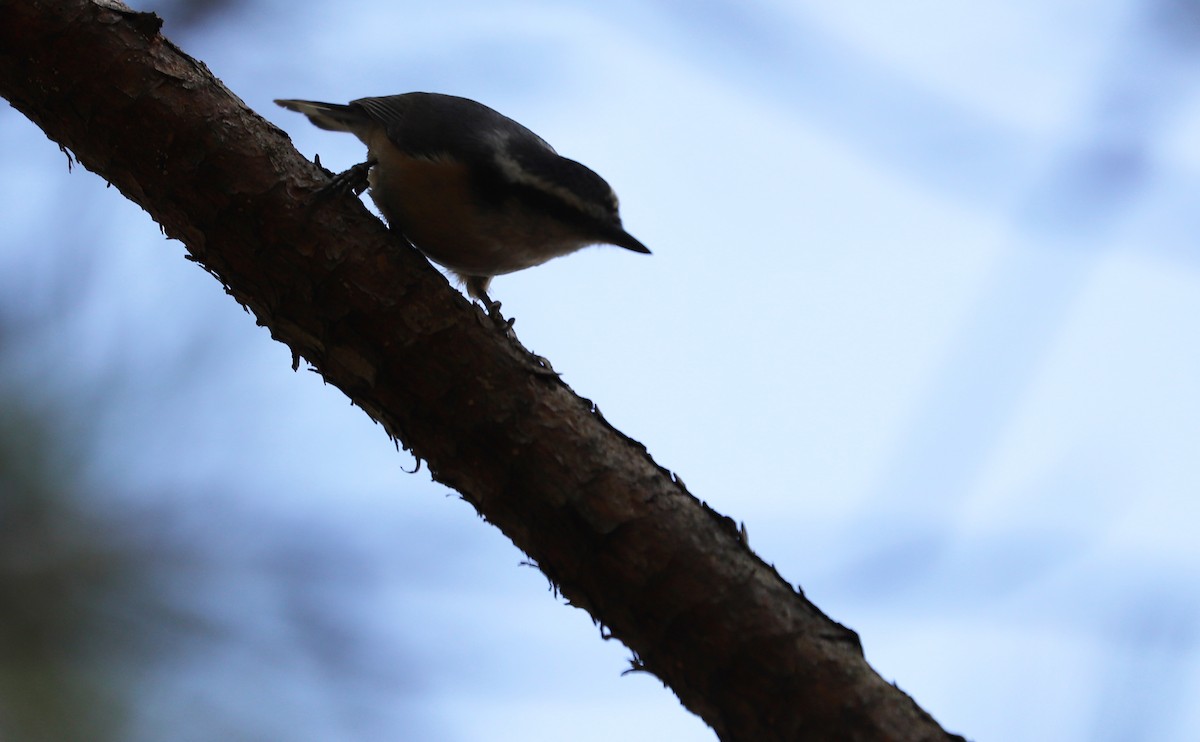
(472, 189)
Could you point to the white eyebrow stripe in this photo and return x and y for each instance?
(514, 172)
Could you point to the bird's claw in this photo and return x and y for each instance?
(493, 312)
(537, 364)
(354, 180)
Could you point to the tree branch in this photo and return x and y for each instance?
(618, 534)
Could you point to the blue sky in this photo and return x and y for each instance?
(923, 312)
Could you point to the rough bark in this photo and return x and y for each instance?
(619, 535)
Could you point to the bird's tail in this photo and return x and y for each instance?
(331, 116)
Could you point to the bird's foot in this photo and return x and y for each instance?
(493, 312)
(354, 180)
(535, 363)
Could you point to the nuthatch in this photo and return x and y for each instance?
(470, 188)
